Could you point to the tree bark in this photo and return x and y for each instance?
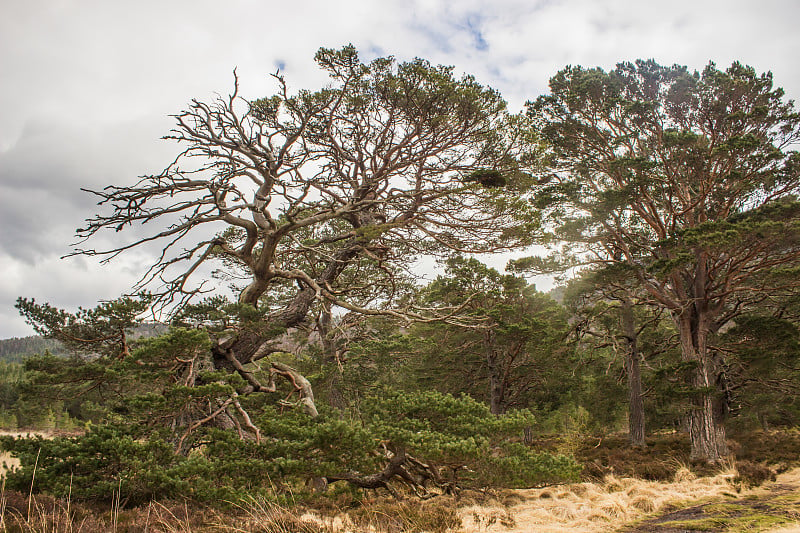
(707, 411)
(300, 384)
(636, 424)
(247, 342)
(496, 385)
(497, 404)
(401, 467)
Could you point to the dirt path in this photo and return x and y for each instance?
(773, 507)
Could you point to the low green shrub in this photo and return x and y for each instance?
(136, 464)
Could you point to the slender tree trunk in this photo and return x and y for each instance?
(496, 389)
(707, 411)
(636, 428)
(330, 360)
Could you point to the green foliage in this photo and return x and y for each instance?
(688, 179)
(104, 461)
(765, 367)
(99, 331)
(149, 386)
(458, 431)
(140, 464)
(671, 167)
(20, 410)
(385, 359)
(512, 354)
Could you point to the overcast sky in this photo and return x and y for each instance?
(87, 87)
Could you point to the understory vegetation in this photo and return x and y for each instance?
(614, 492)
(306, 364)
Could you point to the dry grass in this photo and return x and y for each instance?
(439, 515)
(262, 516)
(581, 507)
(19, 514)
(600, 506)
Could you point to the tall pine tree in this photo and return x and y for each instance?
(688, 181)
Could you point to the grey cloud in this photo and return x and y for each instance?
(30, 220)
(87, 86)
(42, 174)
(65, 283)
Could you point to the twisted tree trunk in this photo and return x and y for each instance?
(400, 467)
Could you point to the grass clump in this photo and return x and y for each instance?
(751, 474)
(389, 516)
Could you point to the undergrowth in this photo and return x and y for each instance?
(610, 495)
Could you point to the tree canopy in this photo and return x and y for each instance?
(387, 162)
(517, 350)
(687, 181)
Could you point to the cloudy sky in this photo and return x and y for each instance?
(87, 86)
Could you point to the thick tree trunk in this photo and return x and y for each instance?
(247, 342)
(636, 428)
(707, 411)
(706, 431)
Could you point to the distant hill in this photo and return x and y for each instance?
(16, 349)
(148, 329)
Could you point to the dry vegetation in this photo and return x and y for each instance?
(595, 506)
(581, 507)
(724, 501)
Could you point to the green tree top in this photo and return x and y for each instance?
(687, 180)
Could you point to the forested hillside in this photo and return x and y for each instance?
(15, 349)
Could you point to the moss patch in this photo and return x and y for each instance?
(761, 511)
(746, 523)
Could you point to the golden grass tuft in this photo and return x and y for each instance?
(684, 474)
(595, 507)
(433, 516)
(644, 504)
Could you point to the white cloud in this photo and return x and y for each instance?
(87, 85)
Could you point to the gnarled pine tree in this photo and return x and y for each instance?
(318, 201)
